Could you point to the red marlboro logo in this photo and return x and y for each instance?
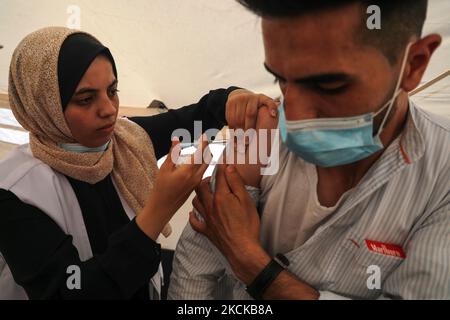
(386, 249)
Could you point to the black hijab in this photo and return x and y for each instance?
(77, 53)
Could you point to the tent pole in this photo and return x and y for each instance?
(430, 83)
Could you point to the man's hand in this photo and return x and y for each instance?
(242, 108)
(231, 221)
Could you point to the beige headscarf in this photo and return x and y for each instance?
(36, 104)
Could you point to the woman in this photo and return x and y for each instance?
(68, 201)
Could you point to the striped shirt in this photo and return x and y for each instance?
(389, 238)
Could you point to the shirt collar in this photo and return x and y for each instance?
(411, 144)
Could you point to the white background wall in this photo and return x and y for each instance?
(172, 50)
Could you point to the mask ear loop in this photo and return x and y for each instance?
(397, 89)
(376, 114)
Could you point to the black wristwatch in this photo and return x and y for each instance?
(263, 280)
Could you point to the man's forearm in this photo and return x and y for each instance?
(248, 263)
(287, 287)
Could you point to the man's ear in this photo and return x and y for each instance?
(419, 58)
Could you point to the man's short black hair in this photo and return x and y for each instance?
(401, 19)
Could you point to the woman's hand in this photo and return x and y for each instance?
(259, 148)
(175, 181)
(242, 108)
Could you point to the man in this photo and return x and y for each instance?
(360, 207)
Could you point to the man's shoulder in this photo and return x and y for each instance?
(432, 122)
(434, 131)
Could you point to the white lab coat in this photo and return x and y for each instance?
(36, 184)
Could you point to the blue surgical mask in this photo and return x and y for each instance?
(331, 142)
(78, 148)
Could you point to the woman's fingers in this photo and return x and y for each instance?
(265, 119)
(202, 157)
(198, 158)
(242, 108)
(207, 158)
(229, 111)
(251, 113)
(269, 103)
(174, 153)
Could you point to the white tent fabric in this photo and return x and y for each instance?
(436, 98)
(171, 50)
(176, 50)
(435, 95)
